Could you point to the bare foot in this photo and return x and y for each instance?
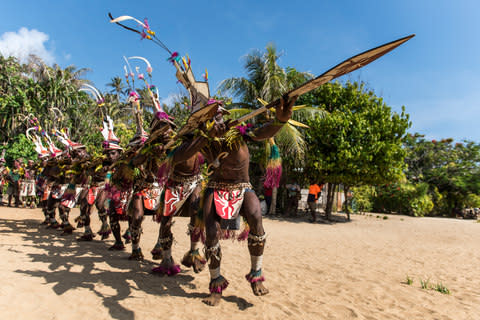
(259, 289)
(213, 299)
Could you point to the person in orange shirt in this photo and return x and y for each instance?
(313, 193)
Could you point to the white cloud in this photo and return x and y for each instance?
(171, 99)
(25, 42)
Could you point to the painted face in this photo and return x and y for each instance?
(80, 153)
(113, 155)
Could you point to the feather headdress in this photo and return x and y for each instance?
(199, 90)
(160, 116)
(110, 140)
(64, 138)
(37, 141)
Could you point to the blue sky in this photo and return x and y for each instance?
(436, 75)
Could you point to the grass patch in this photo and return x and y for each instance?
(378, 217)
(409, 280)
(401, 219)
(385, 217)
(425, 283)
(441, 288)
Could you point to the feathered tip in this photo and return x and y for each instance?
(273, 173)
(244, 234)
(243, 128)
(175, 57)
(170, 271)
(162, 115)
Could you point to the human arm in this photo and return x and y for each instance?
(283, 113)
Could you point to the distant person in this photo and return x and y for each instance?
(293, 196)
(3, 174)
(313, 193)
(13, 178)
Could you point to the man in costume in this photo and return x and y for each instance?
(41, 185)
(121, 185)
(229, 193)
(182, 192)
(95, 193)
(28, 189)
(55, 177)
(147, 188)
(76, 178)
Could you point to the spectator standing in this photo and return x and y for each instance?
(313, 193)
(293, 196)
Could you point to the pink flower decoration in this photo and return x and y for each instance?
(145, 22)
(141, 76)
(149, 69)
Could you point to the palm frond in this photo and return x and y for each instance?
(291, 142)
(297, 124)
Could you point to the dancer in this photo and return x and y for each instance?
(229, 192)
(94, 193)
(75, 177)
(182, 192)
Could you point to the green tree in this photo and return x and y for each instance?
(358, 143)
(450, 169)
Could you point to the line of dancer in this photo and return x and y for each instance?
(199, 170)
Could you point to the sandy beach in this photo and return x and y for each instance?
(355, 270)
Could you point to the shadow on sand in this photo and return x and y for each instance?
(82, 265)
(304, 217)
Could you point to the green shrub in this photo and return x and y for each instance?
(403, 198)
(362, 198)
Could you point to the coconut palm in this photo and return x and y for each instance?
(118, 87)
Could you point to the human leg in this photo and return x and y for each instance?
(213, 252)
(136, 227)
(100, 203)
(193, 257)
(256, 242)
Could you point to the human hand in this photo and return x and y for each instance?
(219, 127)
(284, 111)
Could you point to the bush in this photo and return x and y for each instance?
(19, 147)
(362, 198)
(404, 198)
(472, 201)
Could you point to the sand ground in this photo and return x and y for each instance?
(354, 270)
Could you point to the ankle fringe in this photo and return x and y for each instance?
(255, 276)
(218, 285)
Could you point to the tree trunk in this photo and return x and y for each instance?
(273, 206)
(347, 208)
(331, 187)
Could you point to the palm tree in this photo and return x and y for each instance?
(118, 88)
(265, 82)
